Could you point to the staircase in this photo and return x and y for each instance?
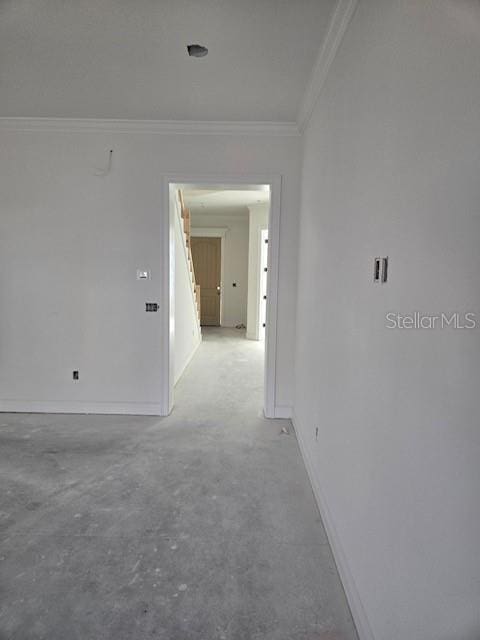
(186, 219)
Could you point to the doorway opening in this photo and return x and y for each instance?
(206, 256)
(222, 272)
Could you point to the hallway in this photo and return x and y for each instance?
(200, 526)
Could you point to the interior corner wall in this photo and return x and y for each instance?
(234, 259)
(391, 168)
(70, 245)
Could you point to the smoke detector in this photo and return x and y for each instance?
(197, 50)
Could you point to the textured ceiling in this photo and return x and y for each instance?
(128, 59)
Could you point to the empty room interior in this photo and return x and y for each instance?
(239, 320)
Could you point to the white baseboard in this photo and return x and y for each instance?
(66, 406)
(364, 629)
(283, 412)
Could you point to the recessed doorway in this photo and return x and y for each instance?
(206, 254)
(229, 227)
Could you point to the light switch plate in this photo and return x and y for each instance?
(380, 270)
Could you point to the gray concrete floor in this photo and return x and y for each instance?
(198, 526)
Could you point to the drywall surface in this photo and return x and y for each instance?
(187, 327)
(234, 260)
(391, 168)
(258, 220)
(70, 245)
(97, 60)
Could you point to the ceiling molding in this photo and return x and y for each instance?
(151, 127)
(258, 206)
(208, 232)
(341, 17)
(232, 213)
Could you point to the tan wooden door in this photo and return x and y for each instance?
(206, 253)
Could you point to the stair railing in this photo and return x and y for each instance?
(187, 228)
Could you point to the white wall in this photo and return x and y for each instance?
(391, 167)
(235, 261)
(258, 220)
(70, 244)
(187, 327)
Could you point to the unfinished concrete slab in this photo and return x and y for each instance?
(197, 526)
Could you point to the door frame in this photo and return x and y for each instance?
(259, 306)
(214, 232)
(167, 294)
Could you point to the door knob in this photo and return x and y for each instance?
(218, 290)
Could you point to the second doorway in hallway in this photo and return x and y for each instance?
(206, 253)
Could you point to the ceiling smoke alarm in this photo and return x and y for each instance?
(197, 50)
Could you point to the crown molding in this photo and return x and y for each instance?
(255, 207)
(208, 232)
(339, 22)
(151, 127)
(231, 214)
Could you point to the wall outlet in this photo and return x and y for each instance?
(75, 375)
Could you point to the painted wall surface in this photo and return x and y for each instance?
(187, 327)
(258, 220)
(70, 245)
(391, 168)
(235, 262)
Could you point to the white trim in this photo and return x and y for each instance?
(339, 22)
(274, 215)
(255, 283)
(233, 213)
(150, 127)
(67, 406)
(359, 615)
(255, 247)
(215, 232)
(167, 297)
(222, 181)
(283, 412)
(208, 232)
